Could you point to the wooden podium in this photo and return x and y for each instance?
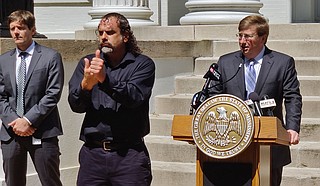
(267, 131)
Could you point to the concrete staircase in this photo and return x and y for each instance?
(173, 162)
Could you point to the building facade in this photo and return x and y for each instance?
(61, 18)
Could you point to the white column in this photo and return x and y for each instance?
(209, 12)
(136, 11)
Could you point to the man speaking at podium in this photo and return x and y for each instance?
(263, 72)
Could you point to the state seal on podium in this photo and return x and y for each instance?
(223, 126)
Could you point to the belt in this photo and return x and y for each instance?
(114, 145)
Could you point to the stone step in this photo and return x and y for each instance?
(306, 66)
(177, 174)
(217, 32)
(202, 64)
(188, 84)
(293, 176)
(309, 85)
(173, 103)
(310, 129)
(191, 84)
(173, 174)
(180, 104)
(310, 107)
(311, 48)
(160, 124)
(164, 148)
(277, 32)
(305, 154)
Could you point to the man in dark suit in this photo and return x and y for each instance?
(274, 75)
(31, 82)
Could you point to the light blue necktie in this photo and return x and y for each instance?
(21, 83)
(250, 76)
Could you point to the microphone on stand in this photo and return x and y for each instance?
(250, 103)
(212, 75)
(267, 105)
(255, 98)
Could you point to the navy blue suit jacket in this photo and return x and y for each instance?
(277, 79)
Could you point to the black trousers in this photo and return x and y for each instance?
(276, 175)
(45, 158)
(123, 167)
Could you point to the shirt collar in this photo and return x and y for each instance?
(128, 57)
(259, 57)
(29, 50)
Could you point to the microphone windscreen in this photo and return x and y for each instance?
(254, 96)
(213, 72)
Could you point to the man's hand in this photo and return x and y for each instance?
(88, 80)
(94, 72)
(294, 137)
(21, 127)
(97, 67)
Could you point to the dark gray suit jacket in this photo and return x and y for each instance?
(44, 83)
(277, 79)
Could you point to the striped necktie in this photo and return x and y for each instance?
(250, 76)
(21, 84)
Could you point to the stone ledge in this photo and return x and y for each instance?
(212, 32)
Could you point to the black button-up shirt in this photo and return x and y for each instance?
(118, 108)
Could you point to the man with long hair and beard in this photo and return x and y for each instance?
(113, 87)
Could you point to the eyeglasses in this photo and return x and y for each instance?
(245, 36)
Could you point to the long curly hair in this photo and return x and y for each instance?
(125, 28)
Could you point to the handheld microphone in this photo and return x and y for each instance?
(255, 98)
(267, 105)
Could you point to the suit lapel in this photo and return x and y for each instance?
(240, 76)
(12, 69)
(267, 63)
(34, 60)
